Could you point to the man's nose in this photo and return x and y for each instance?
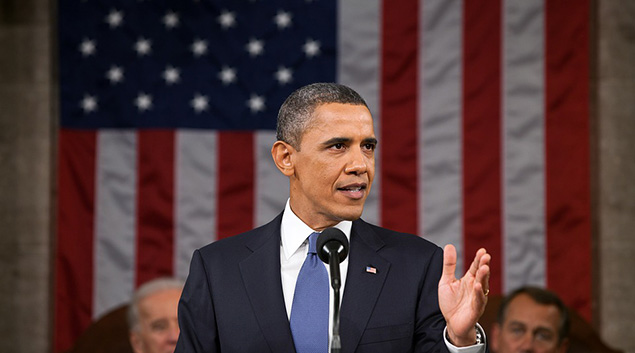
(173, 334)
(357, 163)
(527, 344)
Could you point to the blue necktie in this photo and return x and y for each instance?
(310, 310)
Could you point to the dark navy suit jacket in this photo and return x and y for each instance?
(233, 301)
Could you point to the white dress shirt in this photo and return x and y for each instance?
(293, 250)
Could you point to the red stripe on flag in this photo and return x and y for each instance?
(399, 77)
(482, 133)
(155, 205)
(235, 182)
(567, 153)
(75, 225)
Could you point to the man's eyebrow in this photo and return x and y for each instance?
(544, 329)
(345, 140)
(336, 140)
(516, 323)
(371, 140)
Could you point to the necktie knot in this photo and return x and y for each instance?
(312, 240)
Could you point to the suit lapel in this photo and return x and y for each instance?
(362, 286)
(261, 276)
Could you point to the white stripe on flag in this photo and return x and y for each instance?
(195, 208)
(440, 148)
(358, 66)
(271, 186)
(523, 140)
(115, 219)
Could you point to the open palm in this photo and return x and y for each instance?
(462, 301)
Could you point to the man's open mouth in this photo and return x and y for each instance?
(353, 188)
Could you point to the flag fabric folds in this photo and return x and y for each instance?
(168, 112)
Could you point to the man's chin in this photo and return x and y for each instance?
(351, 214)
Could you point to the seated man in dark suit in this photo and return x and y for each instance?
(251, 293)
(531, 320)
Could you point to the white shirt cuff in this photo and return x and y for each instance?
(476, 348)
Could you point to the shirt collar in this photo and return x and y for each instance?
(294, 231)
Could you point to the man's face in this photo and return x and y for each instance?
(158, 325)
(528, 327)
(333, 171)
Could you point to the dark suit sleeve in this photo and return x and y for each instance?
(197, 318)
(430, 323)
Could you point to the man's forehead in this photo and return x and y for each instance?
(327, 114)
(523, 308)
(332, 109)
(159, 299)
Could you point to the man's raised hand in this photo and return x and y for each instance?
(462, 301)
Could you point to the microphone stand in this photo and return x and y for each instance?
(336, 283)
(333, 248)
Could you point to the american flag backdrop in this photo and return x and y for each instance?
(168, 113)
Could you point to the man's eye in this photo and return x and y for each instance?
(517, 331)
(369, 146)
(544, 336)
(338, 146)
(159, 326)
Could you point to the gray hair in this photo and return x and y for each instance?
(296, 112)
(540, 296)
(146, 289)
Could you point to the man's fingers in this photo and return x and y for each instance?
(476, 262)
(485, 259)
(480, 296)
(483, 273)
(482, 277)
(449, 263)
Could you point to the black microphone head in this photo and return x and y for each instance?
(331, 240)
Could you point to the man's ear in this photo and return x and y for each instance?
(493, 341)
(282, 154)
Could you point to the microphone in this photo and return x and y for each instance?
(332, 249)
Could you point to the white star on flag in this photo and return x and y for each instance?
(171, 20)
(89, 103)
(227, 19)
(87, 47)
(114, 18)
(115, 74)
(284, 75)
(171, 75)
(227, 75)
(199, 103)
(199, 47)
(256, 103)
(143, 102)
(255, 47)
(311, 48)
(282, 19)
(143, 47)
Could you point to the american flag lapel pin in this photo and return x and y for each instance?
(371, 269)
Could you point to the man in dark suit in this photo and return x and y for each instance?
(400, 293)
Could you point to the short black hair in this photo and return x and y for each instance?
(296, 112)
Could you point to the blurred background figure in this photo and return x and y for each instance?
(531, 319)
(152, 316)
